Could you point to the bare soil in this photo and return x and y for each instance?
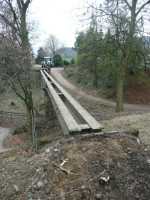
(90, 167)
(139, 94)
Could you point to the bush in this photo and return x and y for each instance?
(58, 61)
(66, 62)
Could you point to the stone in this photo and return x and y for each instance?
(98, 196)
(40, 184)
(16, 188)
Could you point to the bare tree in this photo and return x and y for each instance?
(13, 19)
(52, 45)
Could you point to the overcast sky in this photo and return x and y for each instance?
(58, 17)
(61, 18)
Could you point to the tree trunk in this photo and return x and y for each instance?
(29, 120)
(95, 81)
(133, 19)
(132, 30)
(24, 31)
(120, 89)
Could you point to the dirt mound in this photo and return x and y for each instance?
(109, 166)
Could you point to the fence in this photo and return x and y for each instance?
(12, 118)
(19, 119)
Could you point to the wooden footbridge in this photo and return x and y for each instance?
(72, 117)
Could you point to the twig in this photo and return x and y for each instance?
(66, 171)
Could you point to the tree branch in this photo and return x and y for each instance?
(127, 3)
(19, 3)
(142, 7)
(21, 85)
(8, 22)
(16, 92)
(13, 12)
(27, 2)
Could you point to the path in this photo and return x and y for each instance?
(58, 75)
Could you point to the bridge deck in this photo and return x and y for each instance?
(72, 116)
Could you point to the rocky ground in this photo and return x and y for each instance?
(110, 166)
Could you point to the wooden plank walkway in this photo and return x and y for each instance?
(59, 97)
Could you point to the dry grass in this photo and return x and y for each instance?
(7, 98)
(139, 121)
